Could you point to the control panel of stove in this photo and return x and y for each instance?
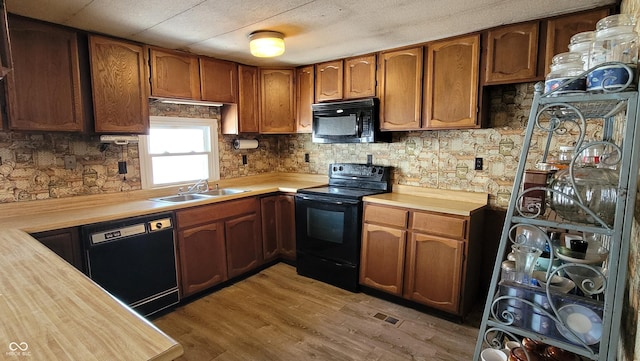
(358, 171)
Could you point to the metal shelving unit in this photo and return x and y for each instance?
(554, 119)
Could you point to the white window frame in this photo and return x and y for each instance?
(146, 170)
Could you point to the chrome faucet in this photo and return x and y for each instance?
(199, 186)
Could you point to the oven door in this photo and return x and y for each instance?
(328, 227)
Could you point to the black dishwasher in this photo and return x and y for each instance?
(134, 260)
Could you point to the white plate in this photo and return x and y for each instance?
(566, 254)
(558, 284)
(585, 323)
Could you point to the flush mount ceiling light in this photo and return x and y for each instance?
(266, 44)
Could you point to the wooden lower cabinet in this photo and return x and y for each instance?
(278, 227)
(217, 242)
(203, 261)
(244, 244)
(434, 267)
(427, 257)
(65, 243)
(382, 262)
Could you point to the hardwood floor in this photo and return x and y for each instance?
(278, 315)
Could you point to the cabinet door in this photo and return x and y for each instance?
(329, 77)
(45, 91)
(401, 89)
(451, 83)
(434, 268)
(512, 54)
(218, 80)
(244, 244)
(360, 77)
(382, 258)
(305, 97)
(174, 74)
(120, 86)
(278, 227)
(202, 257)
(286, 222)
(277, 101)
(269, 214)
(248, 117)
(65, 243)
(561, 29)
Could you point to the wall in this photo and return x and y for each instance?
(32, 164)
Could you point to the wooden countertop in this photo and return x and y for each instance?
(44, 215)
(434, 200)
(51, 311)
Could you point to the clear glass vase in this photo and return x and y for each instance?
(596, 186)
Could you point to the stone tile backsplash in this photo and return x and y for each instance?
(33, 164)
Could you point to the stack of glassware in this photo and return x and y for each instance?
(609, 55)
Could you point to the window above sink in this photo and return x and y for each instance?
(179, 151)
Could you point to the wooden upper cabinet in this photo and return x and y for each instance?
(248, 113)
(45, 87)
(451, 83)
(305, 97)
(360, 77)
(561, 29)
(400, 75)
(120, 86)
(329, 77)
(512, 54)
(218, 80)
(277, 101)
(174, 74)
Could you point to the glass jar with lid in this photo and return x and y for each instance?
(581, 43)
(615, 41)
(564, 67)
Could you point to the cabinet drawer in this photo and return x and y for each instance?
(218, 211)
(439, 224)
(386, 215)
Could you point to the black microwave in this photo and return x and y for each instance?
(354, 121)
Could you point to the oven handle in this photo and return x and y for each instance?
(324, 200)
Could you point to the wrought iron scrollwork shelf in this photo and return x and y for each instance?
(600, 289)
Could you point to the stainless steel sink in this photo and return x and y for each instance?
(182, 198)
(222, 192)
(198, 196)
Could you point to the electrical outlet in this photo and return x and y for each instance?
(69, 162)
(122, 167)
(478, 164)
(244, 159)
(306, 157)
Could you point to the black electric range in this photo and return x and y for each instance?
(329, 222)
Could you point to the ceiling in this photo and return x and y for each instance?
(315, 30)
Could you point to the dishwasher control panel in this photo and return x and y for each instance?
(159, 224)
(114, 234)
